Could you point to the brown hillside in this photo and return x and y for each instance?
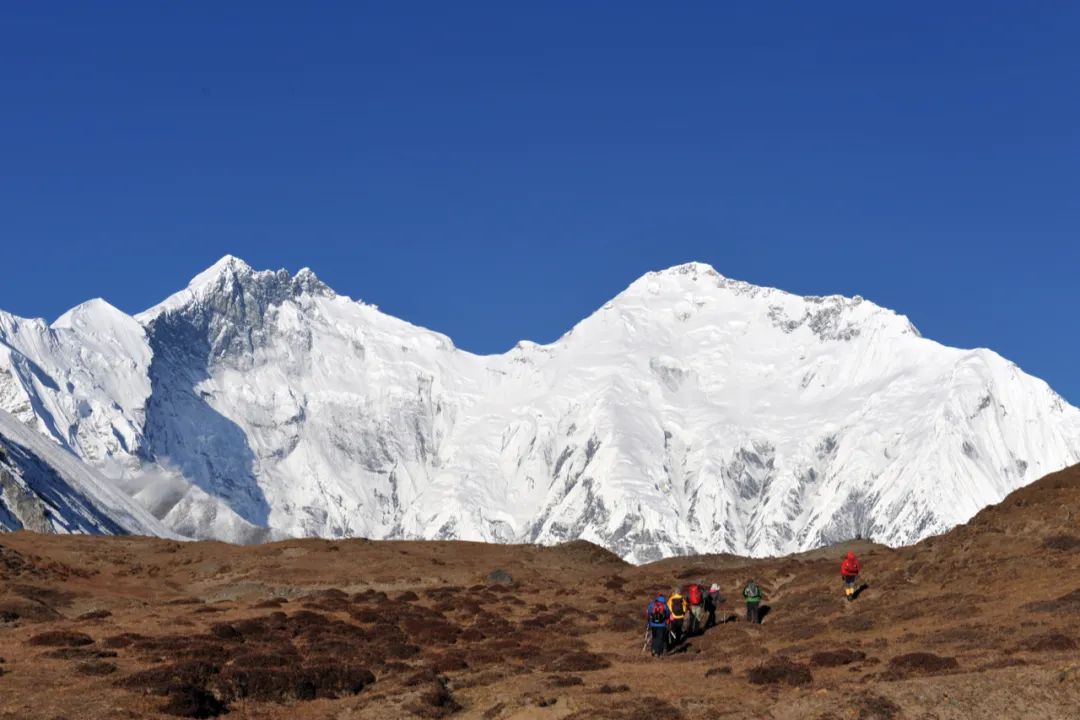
(981, 622)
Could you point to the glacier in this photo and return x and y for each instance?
(692, 413)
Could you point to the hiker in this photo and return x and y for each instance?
(677, 608)
(695, 595)
(752, 594)
(712, 602)
(658, 615)
(849, 571)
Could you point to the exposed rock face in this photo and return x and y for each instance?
(45, 488)
(27, 511)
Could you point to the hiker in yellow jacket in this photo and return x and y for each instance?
(677, 607)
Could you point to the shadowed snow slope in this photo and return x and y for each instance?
(690, 413)
(45, 488)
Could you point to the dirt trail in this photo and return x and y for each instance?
(981, 622)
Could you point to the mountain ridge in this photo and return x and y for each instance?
(690, 412)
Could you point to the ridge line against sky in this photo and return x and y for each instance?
(497, 173)
(294, 273)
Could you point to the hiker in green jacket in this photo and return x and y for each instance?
(752, 594)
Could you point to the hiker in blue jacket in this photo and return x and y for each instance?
(658, 616)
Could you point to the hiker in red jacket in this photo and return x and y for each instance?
(695, 596)
(849, 570)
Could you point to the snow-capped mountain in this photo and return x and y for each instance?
(690, 413)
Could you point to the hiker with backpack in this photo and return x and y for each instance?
(712, 602)
(849, 571)
(752, 595)
(695, 596)
(658, 616)
(677, 609)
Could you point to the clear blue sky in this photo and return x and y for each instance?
(496, 171)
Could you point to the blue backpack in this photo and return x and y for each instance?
(658, 612)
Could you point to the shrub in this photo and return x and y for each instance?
(780, 671)
(1068, 603)
(577, 661)
(293, 683)
(96, 668)
(712, 672)
(436, 701)
(121, 641)
(61, 638)
(193, 702)
(919, 663)
(1050, 642)
(166, 678)
(1062, 543)
(836, 658)
(79, 653)
(875, 707)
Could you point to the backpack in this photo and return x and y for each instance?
(752, 591)
(695, 594)
(677, 606)
(658, 613)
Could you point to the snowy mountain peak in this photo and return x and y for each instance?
(306, 281)
(693, 270)
(9, 324)
(227, 270)
(95, 312)
(694, 296)
(228, 264)
(686, 277)
(232, 277)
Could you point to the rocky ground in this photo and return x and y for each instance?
(979, 623)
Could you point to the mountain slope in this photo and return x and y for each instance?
(45, 488)
(695, 412)
(690, 413)
(980, 622)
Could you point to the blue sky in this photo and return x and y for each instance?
(496, 171)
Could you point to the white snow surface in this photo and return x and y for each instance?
(692, 413)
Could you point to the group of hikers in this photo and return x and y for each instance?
(689, 611)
